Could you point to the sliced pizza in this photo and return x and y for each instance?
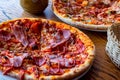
(40, 49)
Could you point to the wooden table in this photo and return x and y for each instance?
(102, 69)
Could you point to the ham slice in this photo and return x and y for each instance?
(17, 61)
(80, 46)
(116, 7)
(20, 34)
(65, 34)
(67, 63)
(33, 44)
(54, 70)
(63, 62)
(39, 61)
(4, 35)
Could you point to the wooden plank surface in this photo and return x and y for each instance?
(102, 69)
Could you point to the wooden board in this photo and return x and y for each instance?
(102, 69)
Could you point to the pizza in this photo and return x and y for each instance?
(40, 49)
(95, 15)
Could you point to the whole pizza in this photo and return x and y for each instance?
(40, 49)
(95, 15)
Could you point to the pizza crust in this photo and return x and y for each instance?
(74, 72)
(78, 24)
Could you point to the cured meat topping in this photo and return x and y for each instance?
(38, 47)
(98, 12)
